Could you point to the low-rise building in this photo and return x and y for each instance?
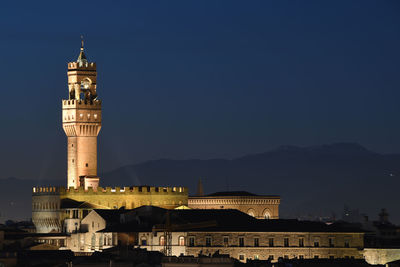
(231, 232)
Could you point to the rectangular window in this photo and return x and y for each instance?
(331, 257)
(191, 241)
(331, 243)
(301, 257)
(316, 243)
(286, 257)
(286, 241)
(208, 241)
(316, 257)
(346, 243)
(226, 241)
(256, 257)
(241, 241)
(256, 242)
(301, 242)
(271, 242)
(241, 257)
(144, 242)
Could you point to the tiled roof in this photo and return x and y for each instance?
(197, 220)
(68, 203)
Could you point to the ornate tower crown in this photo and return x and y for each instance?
(82, 78)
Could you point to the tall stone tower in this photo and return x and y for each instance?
(82, 122)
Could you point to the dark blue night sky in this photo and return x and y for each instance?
(199, 79)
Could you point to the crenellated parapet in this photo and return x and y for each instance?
(90, 66)
(46, 190)
(81, 117)
(144, 190)
(80, 103)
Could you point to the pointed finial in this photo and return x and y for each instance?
(82, 57)
(82, 43)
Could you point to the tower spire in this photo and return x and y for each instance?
(82, 60)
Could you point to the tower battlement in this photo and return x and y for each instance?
(75, 65)
(142, 190)
(80, 103)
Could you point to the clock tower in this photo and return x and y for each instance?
(82, 123)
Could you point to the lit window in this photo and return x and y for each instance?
(95, 116)
(256, 257)
(162, 240)
(88, 115)
(181, 241)
(81, 115)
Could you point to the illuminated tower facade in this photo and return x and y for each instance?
(82, 123)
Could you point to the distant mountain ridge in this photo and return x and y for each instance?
(310, 180)
(316, 179)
